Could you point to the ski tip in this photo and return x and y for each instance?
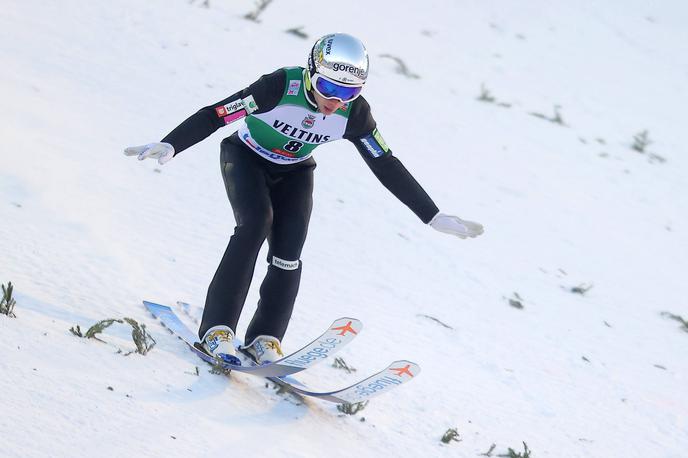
(403, 369)
(153, 307)
(346, 318)
(346, 326)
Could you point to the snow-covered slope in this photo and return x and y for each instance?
(87, 233)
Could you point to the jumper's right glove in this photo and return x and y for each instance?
(163, 152)
(455, 226)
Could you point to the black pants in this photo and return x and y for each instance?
(269, 201)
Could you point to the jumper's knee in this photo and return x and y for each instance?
(255, 226)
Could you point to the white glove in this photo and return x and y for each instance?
(163, 152)
(455, 226)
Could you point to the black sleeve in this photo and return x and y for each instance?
(264, 93)
(361, 130)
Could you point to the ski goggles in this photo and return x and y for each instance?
(332, 90)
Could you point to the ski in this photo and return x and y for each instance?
(397, 373)
(340, 333)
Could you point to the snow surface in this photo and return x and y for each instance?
(87, 233)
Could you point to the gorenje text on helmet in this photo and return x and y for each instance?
(349, 68)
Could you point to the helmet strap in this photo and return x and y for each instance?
(308, 86)
(307, 80)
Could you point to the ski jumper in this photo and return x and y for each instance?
(267, 167)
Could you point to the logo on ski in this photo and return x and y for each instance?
(344, 329)
(379, 384)
(322, 349)
(402, 370)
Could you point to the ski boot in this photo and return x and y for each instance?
(218, 341)
(264, 349)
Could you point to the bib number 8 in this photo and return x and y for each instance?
(293, 146)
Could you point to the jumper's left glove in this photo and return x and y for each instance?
(455, 226)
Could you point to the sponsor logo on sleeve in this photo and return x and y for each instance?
(250, 104)
(372, 146)
(234, 116)
(294, 86)
(230, 108)
(380, 140)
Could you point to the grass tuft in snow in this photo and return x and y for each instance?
(142, 339)
(556, 119)
(260, 7)
(352, 409)
(204, 3)
(298, 32)
(511, 453)
(452, 434)
(339, 363)
(7, 303)
(402, 69)
(516, 301)
(219, 368)
(641, 141)
(581, 289)
(656, 158)
(489, 452)
(281, 389)
(197, 373)
(487, 97)
(96, 329)
(684, 323)
(435, 320)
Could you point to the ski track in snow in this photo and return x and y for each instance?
(88, 233)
